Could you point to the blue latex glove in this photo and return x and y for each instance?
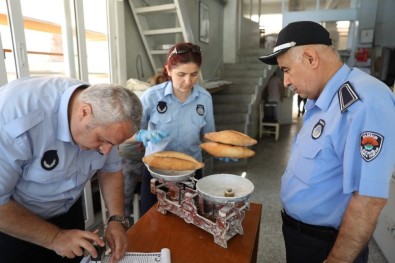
(228, 160)
(155, 137)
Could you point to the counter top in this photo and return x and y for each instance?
(189, 243)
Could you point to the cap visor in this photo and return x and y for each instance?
(271, 59)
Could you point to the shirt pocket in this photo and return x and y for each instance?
(305, 161)
(89, 169)
(39, 175)
(87, 165)
(198, 121)
(40, 184)
(160, 122)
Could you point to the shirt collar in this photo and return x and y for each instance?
(168, 88)
(169, 91)
(63, 132)
(331, 88)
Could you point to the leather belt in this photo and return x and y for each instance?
(321, 232)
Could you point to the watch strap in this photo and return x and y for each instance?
(123, 220)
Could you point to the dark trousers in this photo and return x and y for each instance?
(311, 244)
(148, 199)
(13, 250)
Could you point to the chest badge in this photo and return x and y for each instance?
(371, 144)
(318, 129)
(50, 160)
(200, 109)
(161, 107)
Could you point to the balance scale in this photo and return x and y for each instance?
(215, 203)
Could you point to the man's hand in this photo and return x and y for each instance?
(154, 136)
(117, 240)
(72, 243)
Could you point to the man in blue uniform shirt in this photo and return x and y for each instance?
(338, 174)
(55, 134)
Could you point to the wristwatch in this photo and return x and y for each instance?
(123, 220)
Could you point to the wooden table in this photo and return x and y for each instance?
(190, 244)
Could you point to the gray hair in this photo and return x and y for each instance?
(112, 103)
(332, 56)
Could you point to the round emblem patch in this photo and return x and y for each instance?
(318, 129)
(371, 144)
(50, 160)
(200, 109)
(161, 107)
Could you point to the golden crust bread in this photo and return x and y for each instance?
(221, 150)
(174, 154)
(173, 161)
(230, 137)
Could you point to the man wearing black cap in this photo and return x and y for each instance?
(338, 174)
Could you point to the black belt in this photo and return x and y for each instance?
(321, 232)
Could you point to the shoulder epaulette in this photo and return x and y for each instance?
(22, 124)
(347, 96)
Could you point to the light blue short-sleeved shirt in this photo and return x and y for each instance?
(184, 122)
(337, 153)
(40, 166)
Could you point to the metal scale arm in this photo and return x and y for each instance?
(184, 201)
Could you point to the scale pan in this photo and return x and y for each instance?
(213, 188)
(169, 175)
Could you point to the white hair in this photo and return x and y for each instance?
(112, 103)
(331, 56)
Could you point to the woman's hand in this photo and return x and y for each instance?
(155, 136)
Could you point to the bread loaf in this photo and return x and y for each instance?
(221, 150)
(230, 137)
(173, 161)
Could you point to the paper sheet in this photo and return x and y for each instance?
(134, 257)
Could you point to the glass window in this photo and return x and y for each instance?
(301, 5)
(97, 48)
(6, 40)
(46, 32)
(43, 33)
(270, 20)
(337, 4)
(342, 31)
(308, 5)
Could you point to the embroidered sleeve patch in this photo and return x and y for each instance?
(371, 143)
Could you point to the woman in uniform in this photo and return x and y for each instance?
(176, 113)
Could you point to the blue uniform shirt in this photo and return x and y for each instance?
(184, 122)
(40, 166)
(337, 153)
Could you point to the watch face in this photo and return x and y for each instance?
(126, 223)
